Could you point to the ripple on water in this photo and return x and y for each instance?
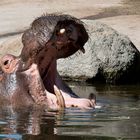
(11, 136)
(116, 118)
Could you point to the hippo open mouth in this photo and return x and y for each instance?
(33, 76)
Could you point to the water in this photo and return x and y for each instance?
(116, 117)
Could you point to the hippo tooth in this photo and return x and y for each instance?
(59, 97)
(62, 31)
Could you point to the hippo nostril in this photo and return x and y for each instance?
(6, 62)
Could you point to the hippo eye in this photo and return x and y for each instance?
(62, 31)
(6, 62)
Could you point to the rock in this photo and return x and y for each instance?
(110, 57)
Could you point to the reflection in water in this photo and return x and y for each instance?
(117, 119)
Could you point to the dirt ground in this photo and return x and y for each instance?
(122, 15)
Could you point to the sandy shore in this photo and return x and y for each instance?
(122, 15)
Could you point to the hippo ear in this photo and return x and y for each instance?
(82, 37)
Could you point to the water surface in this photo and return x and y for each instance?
(116, 117)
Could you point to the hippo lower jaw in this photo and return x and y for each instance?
(57, 101)
(38, 92)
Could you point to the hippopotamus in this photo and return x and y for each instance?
(32, 77)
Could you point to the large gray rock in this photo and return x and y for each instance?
(110, 57)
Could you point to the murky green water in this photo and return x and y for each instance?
(116, 117)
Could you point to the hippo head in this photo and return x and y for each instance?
(31, 77)
(49, 38)
(13, 86)
(21, 87)
(64, 32)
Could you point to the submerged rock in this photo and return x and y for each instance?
(110, 57)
